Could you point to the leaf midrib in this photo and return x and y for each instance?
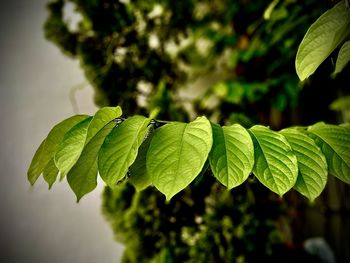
(268, 167)
(329, 145)
(178, 159)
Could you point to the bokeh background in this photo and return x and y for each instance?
(35, 84)
(225, 60)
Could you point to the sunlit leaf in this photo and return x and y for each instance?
(101, 119)
(232, 155)
(82, 178)
(323, 36)
(74, 141)
(177, 154)
(334, 142)
(48, 147)
(275, 163)
(70, 148)
(312, 177)
(50, 173)
(120, 149)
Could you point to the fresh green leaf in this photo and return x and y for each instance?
(232, 155)
(334, 142)
(312, 177)
(101, 119)
(70, 148)
(343, 57)
(139, 177)
(82, 178)
(177, 154)
(50, 173)
(48, 147)
(120, 149)
(275, 163)
(74, 141)
(323, 36)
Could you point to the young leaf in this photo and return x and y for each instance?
(50, 173)
(48, 147)
(275, 163)
(177, 154)
(334, 142)
(101, 119)
(74, 141)
(139, 177)
(82, 178)
(232, 155)
(343, 57)
(120, 149)
(323, 36)
(312, 177)
(70, 148)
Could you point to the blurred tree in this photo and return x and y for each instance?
(230, 60)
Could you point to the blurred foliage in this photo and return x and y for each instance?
(125, 46)
(234, 61)
(204, 223)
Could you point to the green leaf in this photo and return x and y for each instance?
(120, 149)
(101, 119)
(74, 141)
(50, 173)
(82, 178)
(70, 148)
(312, 177)
(232, 155)
(48, 147)
(139, 177)
(177, 154)
(323, 36)
(343, 57)
(334, 142)
(345, 125)
(275, 163)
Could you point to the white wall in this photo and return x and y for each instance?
(38, 225)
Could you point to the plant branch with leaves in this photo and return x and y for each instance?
(173, 155)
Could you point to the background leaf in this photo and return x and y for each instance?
(82, 178)
(177, 154)
(232, 155)
(334, 142)
(120, 149)
(275, 163)
(48, 147)
(343, 57)
(323, 36)
(312, 177)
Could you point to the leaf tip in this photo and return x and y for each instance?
(32, 179)
(78, 198)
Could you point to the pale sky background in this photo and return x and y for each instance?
(38, 225)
